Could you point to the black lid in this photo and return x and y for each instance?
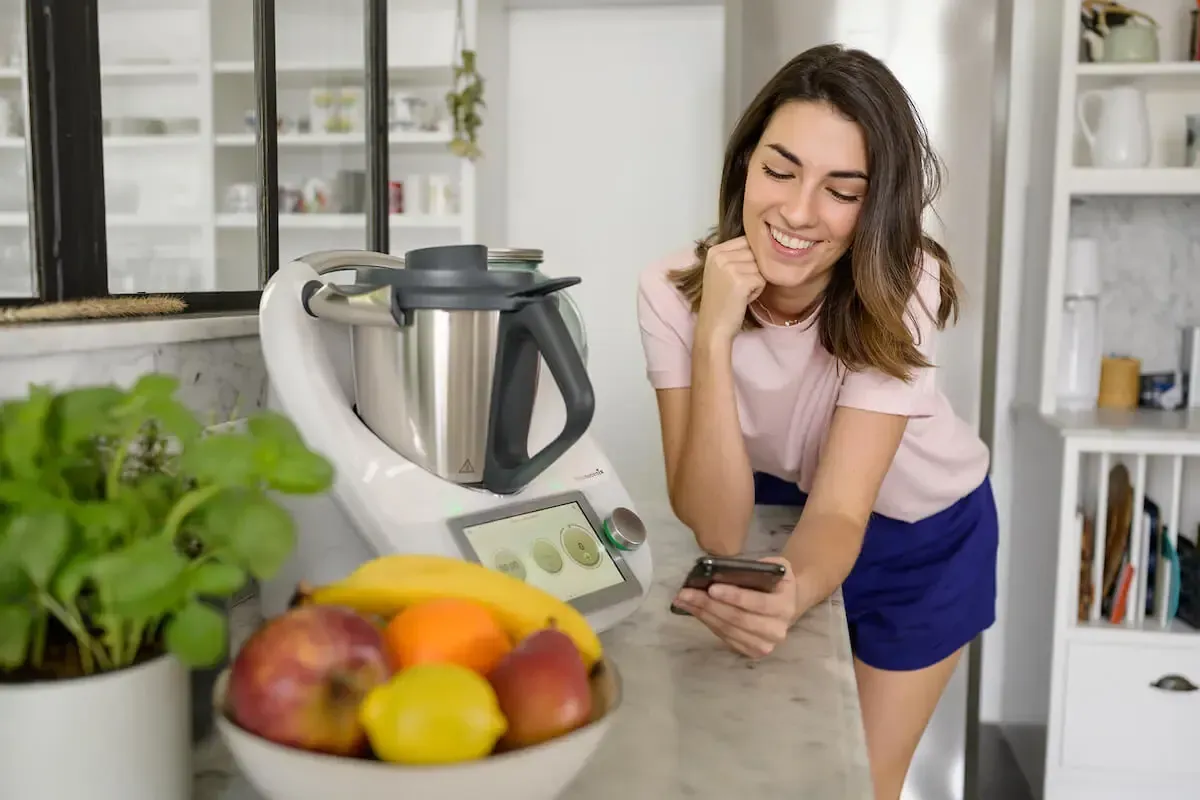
(457, 278)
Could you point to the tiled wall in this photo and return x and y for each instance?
(1150, 262)
(219, 379)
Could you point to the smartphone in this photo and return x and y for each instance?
(745, 573)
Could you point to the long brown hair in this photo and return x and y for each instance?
(862, 317)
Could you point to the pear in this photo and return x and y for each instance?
(543, 688)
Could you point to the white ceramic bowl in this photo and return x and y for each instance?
(535, 773)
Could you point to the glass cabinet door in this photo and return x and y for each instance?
(320, 128)
(17, 275)
(154, 99)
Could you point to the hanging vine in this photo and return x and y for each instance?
(465, 100)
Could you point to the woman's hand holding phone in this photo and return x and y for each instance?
(751, 622)
(732, 282)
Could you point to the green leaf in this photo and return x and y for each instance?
(300, 472)
(256, 533)
(28, 495)
(70, 579)
(16, 629)
(80, 415)
(283, 460)
(267, 426)
(15, 585)
(23, 423)
(144, 580)
(152, 499)
(154, 385)
(37, 542)
(153, 398)
(196, 635)
(102, 522)
(176, 419)
(223, 459)
(215, 579)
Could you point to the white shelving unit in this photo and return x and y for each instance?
(1113, 728)
(179, 99)
(1172, 90)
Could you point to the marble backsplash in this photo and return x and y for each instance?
(219, 379)
(1150, 265)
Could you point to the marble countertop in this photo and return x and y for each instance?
(698, 720)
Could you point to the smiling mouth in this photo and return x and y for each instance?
(791, 242)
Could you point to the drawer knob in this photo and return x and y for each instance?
(1174, 683)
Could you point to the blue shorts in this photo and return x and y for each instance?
(920, 590)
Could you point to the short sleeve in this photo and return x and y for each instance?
(666, 324)
(872, 390)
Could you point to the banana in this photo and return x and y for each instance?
(388, 584)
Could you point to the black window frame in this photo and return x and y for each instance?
(68, 219)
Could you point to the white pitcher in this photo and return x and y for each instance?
(1121, 139)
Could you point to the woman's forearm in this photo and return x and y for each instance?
(713, 488)
(822, 551)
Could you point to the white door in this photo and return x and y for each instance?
(614, 159)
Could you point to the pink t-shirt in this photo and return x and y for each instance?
(787, 386)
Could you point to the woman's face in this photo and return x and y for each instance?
(804, 190)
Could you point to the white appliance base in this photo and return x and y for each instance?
(328, 548)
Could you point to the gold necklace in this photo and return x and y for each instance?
(787, 323)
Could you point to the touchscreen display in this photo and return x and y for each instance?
(552, 548)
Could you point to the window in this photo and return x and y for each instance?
(133, 159)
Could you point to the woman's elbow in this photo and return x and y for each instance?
(720, 548)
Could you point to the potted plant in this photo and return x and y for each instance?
(465, 99)
(121, 524)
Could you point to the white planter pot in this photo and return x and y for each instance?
(119, 736)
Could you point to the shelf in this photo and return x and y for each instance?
(1141, 423)
(1148, 632)
(166, 139)
(1158, 69)
(151, 70)
(1146, 182)
(422, 73)
(19, 219)
(338, 221)
(144, 221)
(334, 139)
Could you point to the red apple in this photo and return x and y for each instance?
(543, 689)
(299, 679)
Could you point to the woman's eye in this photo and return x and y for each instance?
(844, 198)
(779, 176)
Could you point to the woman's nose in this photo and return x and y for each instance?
(800, 211)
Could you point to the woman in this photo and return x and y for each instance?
(797, 341)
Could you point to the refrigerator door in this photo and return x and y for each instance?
(952, 57)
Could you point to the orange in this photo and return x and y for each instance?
(446, 631)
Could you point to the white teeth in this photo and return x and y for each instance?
(790, 242)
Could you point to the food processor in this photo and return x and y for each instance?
(449, 390)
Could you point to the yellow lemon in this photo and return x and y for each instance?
(435, 713)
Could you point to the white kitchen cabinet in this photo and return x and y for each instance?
(178, 95)
(1112, 728)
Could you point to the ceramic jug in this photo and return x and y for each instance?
(1121, 136)
(1130, 36)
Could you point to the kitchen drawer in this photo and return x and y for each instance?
(1114, 720)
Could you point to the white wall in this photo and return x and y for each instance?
(614, 158)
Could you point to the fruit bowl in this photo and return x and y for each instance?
(538, 772)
